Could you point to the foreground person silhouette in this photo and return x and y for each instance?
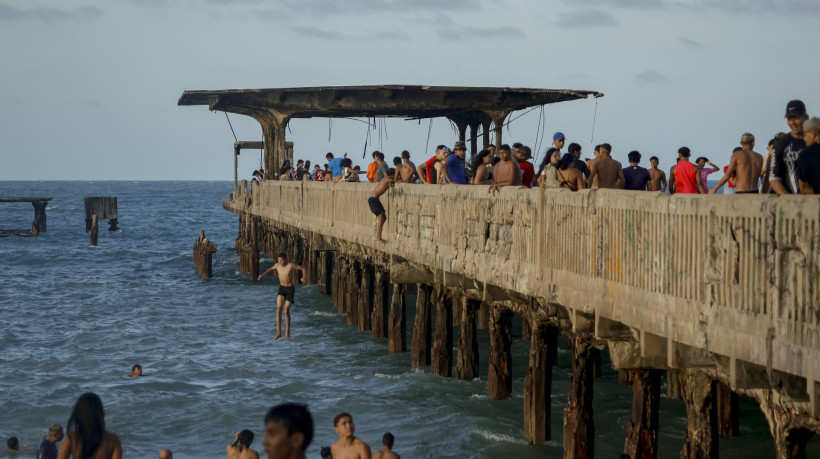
(86, 437)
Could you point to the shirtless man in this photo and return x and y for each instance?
(398, 178)
(506, 172)
(609, 172)
(347, 446)
(376, 206)
(596, 153)
(746, 165)
(285, 271)
(387, 451)
(657, 177)
(426, 170)
(408, 170)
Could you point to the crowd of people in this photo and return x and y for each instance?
(789, 166)
(288, 433)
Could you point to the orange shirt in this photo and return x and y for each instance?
(371, 171)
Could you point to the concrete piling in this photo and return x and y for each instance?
(579, 425)
(378, 317)
(699, 396)
(397, 321)
(467, 362)
(442, 355)
(642, 430)
(95, 227)
(538, 385)
(499, 375)
(422, 330)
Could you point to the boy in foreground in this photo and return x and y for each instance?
(348, 446)
(376, 206)
(285, 296)
(288, 431)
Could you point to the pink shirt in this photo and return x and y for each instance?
(703, 174)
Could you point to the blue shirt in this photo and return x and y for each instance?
(455, 170)
(336, 166)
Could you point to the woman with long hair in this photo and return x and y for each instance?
(86, 437)
(241, 446)
(547, 177)
(568, 176)
(482, 176)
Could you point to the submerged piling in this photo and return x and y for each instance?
(203, 255)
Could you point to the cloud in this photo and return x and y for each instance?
(786, 7)
(637, 4)
(92, 104)
(332, 35)
(11, 13)
(323, 8)
(586, 18)
(460, 33)
(690, 43)
(650, 76)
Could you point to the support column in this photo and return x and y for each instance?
(790, 432)
(334, 282)
(253, 268)
(474, 123)
(484, 316)
(378, 318)
(579, 426)
(642, 429)
(485, 127)
(698, 392)
(422, 331)
(526, 330)
(499, 376)
(40, 215)
(498, 124)
(235, 167)
(365, 301)
(467, 363)
(354, 275)
(397, 321)
(538, 385)
(94, 229)
(442, 355)
(728, 411)
(458, 307)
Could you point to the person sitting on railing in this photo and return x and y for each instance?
(397, 165)
(408, 169)
(482, 174)
(426, 170)
(568, 176)
(452, 171)
(506, 172)
(522, 155)
(548, 178)
(318, 174)
(808, 165)
(262, 174)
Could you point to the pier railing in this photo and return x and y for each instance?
(736, 275)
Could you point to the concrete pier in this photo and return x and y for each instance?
(720, 292)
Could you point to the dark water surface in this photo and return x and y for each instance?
(74, 318)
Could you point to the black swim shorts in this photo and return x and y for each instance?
(375, 206)
(287, 292)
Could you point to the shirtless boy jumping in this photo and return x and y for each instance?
(285, 271)
(376, 206)
(347, 446)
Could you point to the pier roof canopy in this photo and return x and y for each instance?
(382, 100)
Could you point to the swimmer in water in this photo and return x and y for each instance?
(136, 370)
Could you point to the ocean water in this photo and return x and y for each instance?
(75, 318)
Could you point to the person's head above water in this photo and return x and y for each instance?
(244, 438)
(55, 431)
(136, 370)
(388, 439)
(87, 423)
(288, 431)
(166, 454)
(13, 444)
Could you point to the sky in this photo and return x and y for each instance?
(89, 88)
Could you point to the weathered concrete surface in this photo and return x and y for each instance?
(718, 281)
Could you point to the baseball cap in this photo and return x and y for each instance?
(795, 108)
(558, 136)
(460, 146)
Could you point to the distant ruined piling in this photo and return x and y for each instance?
(203, 256)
